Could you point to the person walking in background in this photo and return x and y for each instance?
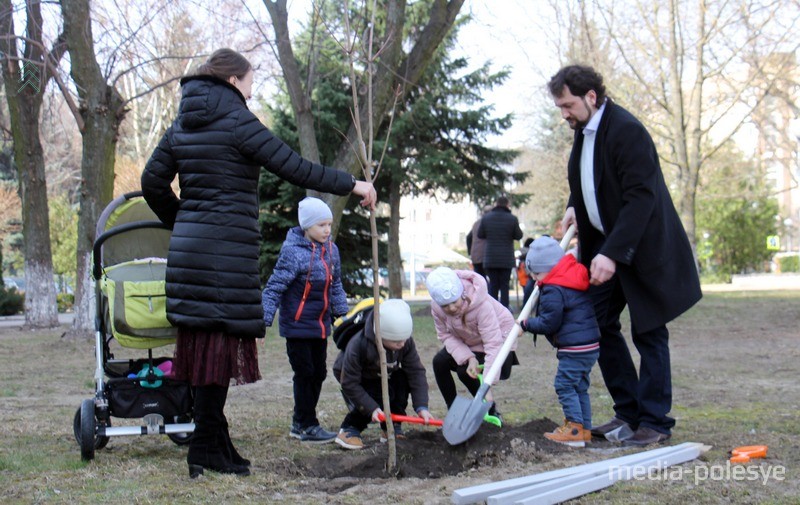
(307, 286)
(216, 147)
(358, 369)
(633, 243)
(472, 326)
(500, 228)
(566, 318)
(476, 246)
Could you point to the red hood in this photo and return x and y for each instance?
(568, 273)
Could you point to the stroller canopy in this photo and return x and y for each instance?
(141, 243)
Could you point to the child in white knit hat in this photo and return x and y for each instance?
(472, 326)
(306, 285)
(357, 368)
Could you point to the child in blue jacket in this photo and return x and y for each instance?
(566, 317)
(306, 284)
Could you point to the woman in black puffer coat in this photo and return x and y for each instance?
(216, 147)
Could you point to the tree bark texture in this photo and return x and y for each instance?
(298, 94)
(102, 110)
(25, 80)
(394, 259)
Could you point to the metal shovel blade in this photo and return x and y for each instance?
(465, 417)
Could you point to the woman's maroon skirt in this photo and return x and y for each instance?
(203, 358)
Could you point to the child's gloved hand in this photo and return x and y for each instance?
(524, 325)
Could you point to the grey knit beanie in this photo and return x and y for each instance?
(543, 255)
(312, 211)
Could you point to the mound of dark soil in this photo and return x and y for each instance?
(426, 454)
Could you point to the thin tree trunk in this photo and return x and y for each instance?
(694, 134)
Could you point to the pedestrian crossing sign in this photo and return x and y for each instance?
(773, 243)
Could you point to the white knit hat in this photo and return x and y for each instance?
(444, 286)
(312, 211)
(543, 255)
(396, 323)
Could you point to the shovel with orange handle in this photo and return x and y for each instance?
(410, 419)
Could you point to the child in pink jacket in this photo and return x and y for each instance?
(472, 326)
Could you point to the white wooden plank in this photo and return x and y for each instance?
(542, 487)
(592, 471)
(606, 479)
(590, 485)
(481, 492)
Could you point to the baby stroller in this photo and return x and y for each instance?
(129, 267)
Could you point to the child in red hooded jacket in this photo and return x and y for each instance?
(566, 317)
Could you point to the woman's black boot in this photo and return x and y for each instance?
(233, 454)
(212, 456)
(208, 448)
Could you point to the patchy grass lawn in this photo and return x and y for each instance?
(735, 360)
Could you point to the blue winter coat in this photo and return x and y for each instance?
(307, 286)
(566, 314)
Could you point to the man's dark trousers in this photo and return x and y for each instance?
(646, 399)
(498, 284)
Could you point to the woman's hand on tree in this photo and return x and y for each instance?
(369, 197)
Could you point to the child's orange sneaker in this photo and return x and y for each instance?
(571, 434)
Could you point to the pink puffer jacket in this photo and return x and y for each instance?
(483, 327)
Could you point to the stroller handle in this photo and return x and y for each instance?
(97, 270)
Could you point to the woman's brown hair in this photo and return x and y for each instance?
(225, 63)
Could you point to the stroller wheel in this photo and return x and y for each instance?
(181, 438)
(99, 442)
(88, 427)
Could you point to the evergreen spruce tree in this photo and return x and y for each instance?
(437, 147)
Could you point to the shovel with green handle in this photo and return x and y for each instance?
(488, 418)
(465, 416)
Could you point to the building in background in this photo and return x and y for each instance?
(434, 232)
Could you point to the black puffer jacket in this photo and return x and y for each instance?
(216, 146)
(500, 228)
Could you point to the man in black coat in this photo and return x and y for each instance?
(632, 240)
(500, 228)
